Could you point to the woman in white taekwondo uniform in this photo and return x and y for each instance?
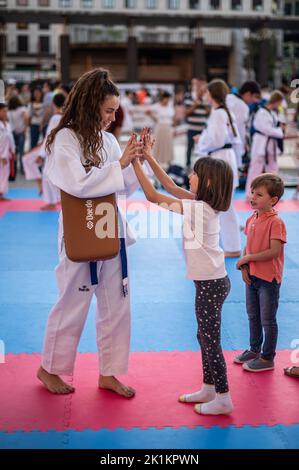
(218, 140)
(86, 161)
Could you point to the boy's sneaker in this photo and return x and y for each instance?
(246, 356)
(258, 365)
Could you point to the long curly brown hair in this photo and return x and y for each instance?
(82, 113)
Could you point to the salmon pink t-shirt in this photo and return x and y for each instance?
(260, 230)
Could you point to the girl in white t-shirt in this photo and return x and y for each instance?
(211, 185)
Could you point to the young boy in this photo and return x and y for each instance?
(262, 267)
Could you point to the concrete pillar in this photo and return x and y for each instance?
(199, 58)
(65, 55)
(2, 48)
(132, 54)
(278, 72)
(263, 62)
(236, 73)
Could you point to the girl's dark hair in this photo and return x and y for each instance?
(14, 103)
(58, 100)
(215, 182)
(165, 94)
(36, 88)
(250, 86)
(219, 90)
(82, 113)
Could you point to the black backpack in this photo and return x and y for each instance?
(179, 175)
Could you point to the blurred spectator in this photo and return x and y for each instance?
(126, 104)
(163, 114)
(47, 106)
(115, 126)
(25, 94)
(36, 112)
(179, 106)
(18, 120)
(197, 113)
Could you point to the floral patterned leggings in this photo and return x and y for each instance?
(210, 296)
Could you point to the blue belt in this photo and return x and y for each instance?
(124, 263)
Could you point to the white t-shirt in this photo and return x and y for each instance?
(17, 119)
(163, 114)
(201, 227)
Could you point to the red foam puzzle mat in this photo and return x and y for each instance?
(159, 377)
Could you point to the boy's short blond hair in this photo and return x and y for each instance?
(273, 184)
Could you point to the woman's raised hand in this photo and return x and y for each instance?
(133, 150)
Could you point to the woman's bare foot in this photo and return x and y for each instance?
(111, 383)
(54, 383)
(48, 207)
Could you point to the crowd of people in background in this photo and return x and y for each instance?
(260, 118)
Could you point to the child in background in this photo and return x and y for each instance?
(7, 149)
(211, 186)
(268, 135)
(51, 194)
(262, 268)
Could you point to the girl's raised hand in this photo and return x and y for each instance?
(148, 142)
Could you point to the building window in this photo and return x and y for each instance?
(108, 3)
(22, 25)
(44, 26)
(150, 4)
(214, 4)
(22, 3)
(22, 43)
(43, 3)
(194, 4)
(44, 44)
(257, 5)
(130, 3)
(236, 5)
(65, 3)
(288, 10)
(86, 3)
(173, 4)
(297, 8)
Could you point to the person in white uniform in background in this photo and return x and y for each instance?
(127, 105)
(163, 114)
(18, 120)
(86, 161)
(249, 92)
(218, 140)
(32, 166)
(7, 150)
(51, 194)
(265, 142)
